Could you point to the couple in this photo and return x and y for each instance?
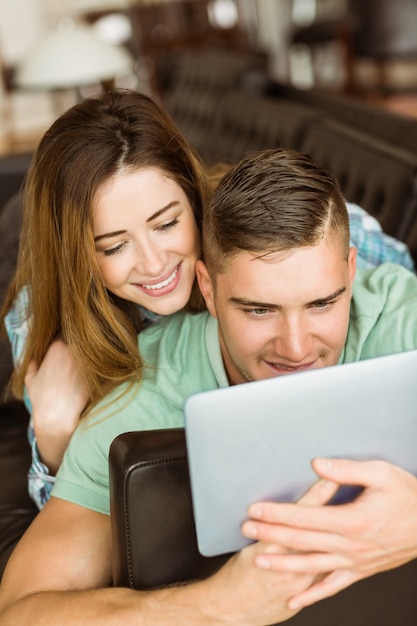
(87, 295)
(279, 281)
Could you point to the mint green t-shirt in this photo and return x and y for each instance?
(182, 356)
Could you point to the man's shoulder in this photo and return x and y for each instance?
(383, 317)
(168, 335)
(385, 289)
(168, 350)
(169, 326)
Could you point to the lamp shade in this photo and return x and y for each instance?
(72, 56)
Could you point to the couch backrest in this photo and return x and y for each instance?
(398, 130)
(377, 176)
(246, 122)
(201, 80)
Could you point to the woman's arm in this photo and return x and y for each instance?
(57, 396)
(61, 573)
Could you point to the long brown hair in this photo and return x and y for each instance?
(82, 149)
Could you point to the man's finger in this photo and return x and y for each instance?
(349, 472)
(325, 588)
(319, 493)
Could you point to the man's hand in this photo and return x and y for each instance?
(342, 543)
(58, 397)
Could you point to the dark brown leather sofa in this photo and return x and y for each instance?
(16, 507)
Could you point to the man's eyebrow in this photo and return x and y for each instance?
(116, 233)
(252, 303)
(268, 305)
(332, 296)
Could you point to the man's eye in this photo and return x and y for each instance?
(257, 312)
(323, 305)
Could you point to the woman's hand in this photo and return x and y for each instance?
(58, 397)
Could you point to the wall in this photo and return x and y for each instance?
(24, 116)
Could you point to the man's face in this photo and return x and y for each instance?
(282, 312)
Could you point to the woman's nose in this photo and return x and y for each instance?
(150, 260)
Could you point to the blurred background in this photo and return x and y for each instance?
(52, 53)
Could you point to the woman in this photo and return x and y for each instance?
(111, 231)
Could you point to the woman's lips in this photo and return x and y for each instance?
(164, 286)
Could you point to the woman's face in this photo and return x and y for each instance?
(147, 241)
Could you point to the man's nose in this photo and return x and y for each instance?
(294, 339)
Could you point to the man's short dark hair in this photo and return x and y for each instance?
(273, 200)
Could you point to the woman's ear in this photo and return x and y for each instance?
(206, 286)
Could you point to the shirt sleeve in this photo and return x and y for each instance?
(40, 482)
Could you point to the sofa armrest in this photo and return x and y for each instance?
(154, 540)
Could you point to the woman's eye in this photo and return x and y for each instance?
(115, 250)
(168, 225)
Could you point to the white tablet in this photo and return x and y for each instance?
(255, 441)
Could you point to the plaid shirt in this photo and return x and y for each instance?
(373, 245)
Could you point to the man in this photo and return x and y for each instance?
(278, 280)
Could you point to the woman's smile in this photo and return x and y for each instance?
(147, 240)
(164, 285)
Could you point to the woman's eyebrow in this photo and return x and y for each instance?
(161, 211)
(116, 233)
(158, 213)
